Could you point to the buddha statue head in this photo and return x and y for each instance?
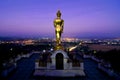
(58, 13)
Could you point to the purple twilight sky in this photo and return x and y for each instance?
(83, 18)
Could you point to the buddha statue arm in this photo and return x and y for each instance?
(54, 23)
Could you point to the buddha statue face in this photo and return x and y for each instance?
(59, 14)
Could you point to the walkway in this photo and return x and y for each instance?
(25, 68)
(92, 72)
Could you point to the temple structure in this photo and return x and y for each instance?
(59, 63)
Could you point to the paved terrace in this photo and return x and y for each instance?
(25, 71)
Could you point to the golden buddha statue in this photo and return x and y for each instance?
(58, 24)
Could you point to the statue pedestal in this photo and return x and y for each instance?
(60, 66)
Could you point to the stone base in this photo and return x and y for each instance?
(59, 73)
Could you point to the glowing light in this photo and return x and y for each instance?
(72, 48)
(44, 51)
(11, 49)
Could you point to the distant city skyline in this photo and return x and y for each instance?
(83, 18)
